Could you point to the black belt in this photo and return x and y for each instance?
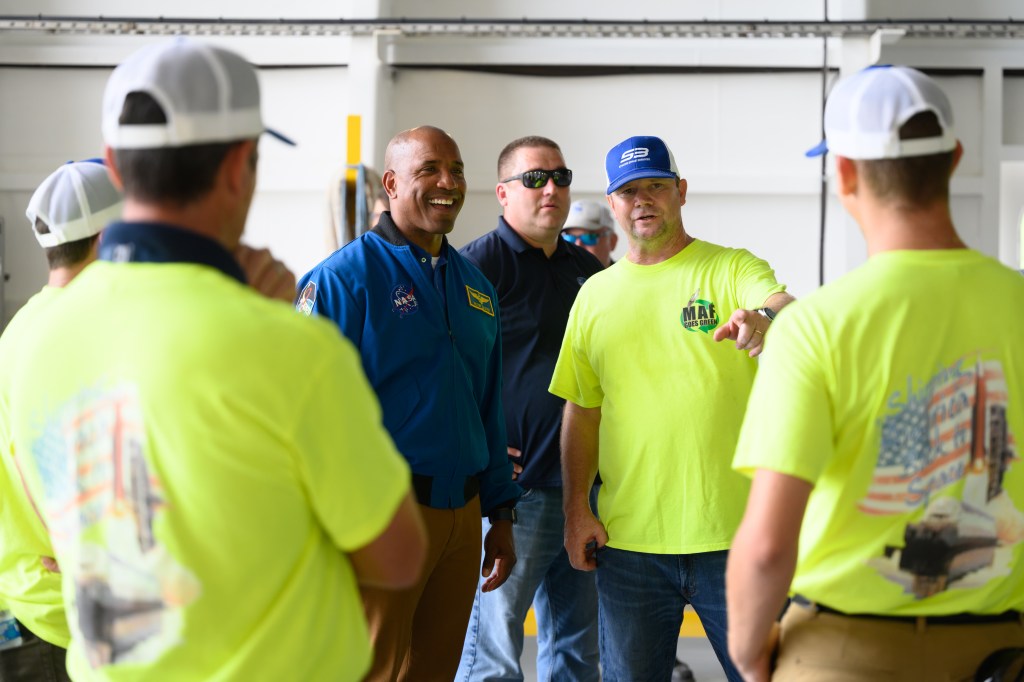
(26, 634)
(952, 619)
(423, 485)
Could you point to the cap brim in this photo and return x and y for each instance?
(820, 149)
(639, 174)
(274, 133)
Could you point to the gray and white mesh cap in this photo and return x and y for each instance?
(208, 94)
(865, 111)
(589, 215)
(76, 201)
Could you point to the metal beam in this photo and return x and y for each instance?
(517, 28)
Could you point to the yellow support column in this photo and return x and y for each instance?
(354, 145)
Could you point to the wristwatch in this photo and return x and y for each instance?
(766, 312)
(503, 514)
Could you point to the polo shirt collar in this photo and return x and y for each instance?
(156, 242)
(519, 245)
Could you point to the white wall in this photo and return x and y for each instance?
(738, 137)
(750, 184)
(1013, 97)
(40, 132)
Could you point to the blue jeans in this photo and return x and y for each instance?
(564, 601)
(642, 597)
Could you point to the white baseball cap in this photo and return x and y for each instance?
(208, 94)
(76, 201)
(589, 215)
(864, 113)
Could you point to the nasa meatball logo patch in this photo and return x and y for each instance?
(403, 300)
(307, 299)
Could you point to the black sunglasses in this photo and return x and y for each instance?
(535, 179)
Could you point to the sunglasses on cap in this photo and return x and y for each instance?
(586, 239)
(535, 179)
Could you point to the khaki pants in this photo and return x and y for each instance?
(418, 633)
(826, 647)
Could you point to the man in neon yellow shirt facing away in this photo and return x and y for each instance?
(212, 507)
(67, 212)
(656, 404)
(883, 431)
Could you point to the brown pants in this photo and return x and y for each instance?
(417, 633)
(825, 647)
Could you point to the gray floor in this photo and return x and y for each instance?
(694, 650)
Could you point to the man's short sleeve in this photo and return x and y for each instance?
(575, 378)
(789, 418)
(754, 280)
(355, 476)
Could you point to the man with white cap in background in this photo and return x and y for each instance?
(884, 427)
(590, 224)
(657, 403)
(67, 212)
(181, 434)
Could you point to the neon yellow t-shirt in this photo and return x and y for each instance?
(204, 458)
(898, 391)
(28, 589)
(639, 346)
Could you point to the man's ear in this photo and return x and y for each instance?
(958, 154)
(502, 193)
(390, 186)
(112, 170)
(682, 191)
(846, 176)
(235, 165)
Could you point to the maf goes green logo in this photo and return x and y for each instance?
(699, 315)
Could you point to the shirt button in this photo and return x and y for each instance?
(423, 260)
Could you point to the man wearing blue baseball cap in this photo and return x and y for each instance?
(648, 388)
(883, 430)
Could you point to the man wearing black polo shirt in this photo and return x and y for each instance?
(536, 275)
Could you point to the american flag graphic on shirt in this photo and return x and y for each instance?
(938, 431)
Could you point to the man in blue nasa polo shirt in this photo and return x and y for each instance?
(425, 321)
(537, 275)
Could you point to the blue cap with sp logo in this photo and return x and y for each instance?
(643, 156)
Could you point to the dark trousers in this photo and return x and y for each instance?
(36, 660)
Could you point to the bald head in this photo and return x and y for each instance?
(401, 143)
(426, 185)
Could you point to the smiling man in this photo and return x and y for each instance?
(658, 403)
(425, 322)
